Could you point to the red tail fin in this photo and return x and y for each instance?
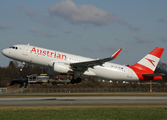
(147, 64)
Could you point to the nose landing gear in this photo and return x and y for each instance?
(22, 66)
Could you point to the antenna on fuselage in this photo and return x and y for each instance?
(28, 43)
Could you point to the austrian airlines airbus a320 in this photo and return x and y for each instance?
(64, 63)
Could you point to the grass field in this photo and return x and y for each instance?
(108, 112)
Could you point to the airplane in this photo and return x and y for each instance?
(60, 63)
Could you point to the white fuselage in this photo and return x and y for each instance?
(45, 57)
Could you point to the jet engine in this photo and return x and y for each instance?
(50, 71)
(60, 68)
(57, 68)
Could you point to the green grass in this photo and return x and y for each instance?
(86, 113)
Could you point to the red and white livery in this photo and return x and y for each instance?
(64, 63)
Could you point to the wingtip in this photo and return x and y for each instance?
(116, 53)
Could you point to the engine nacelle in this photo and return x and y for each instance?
(50, 71)
(60, 68)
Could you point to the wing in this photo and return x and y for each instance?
(83, 66)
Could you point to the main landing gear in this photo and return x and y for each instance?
(77, 80)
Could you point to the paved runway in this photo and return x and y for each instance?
(84, 100)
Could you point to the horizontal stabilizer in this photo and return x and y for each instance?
(153, 75)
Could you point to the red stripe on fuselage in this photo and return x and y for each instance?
(140, 69)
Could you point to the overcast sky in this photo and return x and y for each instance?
(90, 28)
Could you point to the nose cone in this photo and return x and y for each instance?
(8, 53)
(5, 52)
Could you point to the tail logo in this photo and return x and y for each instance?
(151, 61)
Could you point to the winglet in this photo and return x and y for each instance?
(116, 53)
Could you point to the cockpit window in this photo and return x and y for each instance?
(13, 47)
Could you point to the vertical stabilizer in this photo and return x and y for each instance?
(148, 64)
(151, 60)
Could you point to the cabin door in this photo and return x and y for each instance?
(25, 50)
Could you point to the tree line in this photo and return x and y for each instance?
(12, 71)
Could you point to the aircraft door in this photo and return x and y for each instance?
(25, 50)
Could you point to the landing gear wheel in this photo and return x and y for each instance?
(72, 81)
(78, 80)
